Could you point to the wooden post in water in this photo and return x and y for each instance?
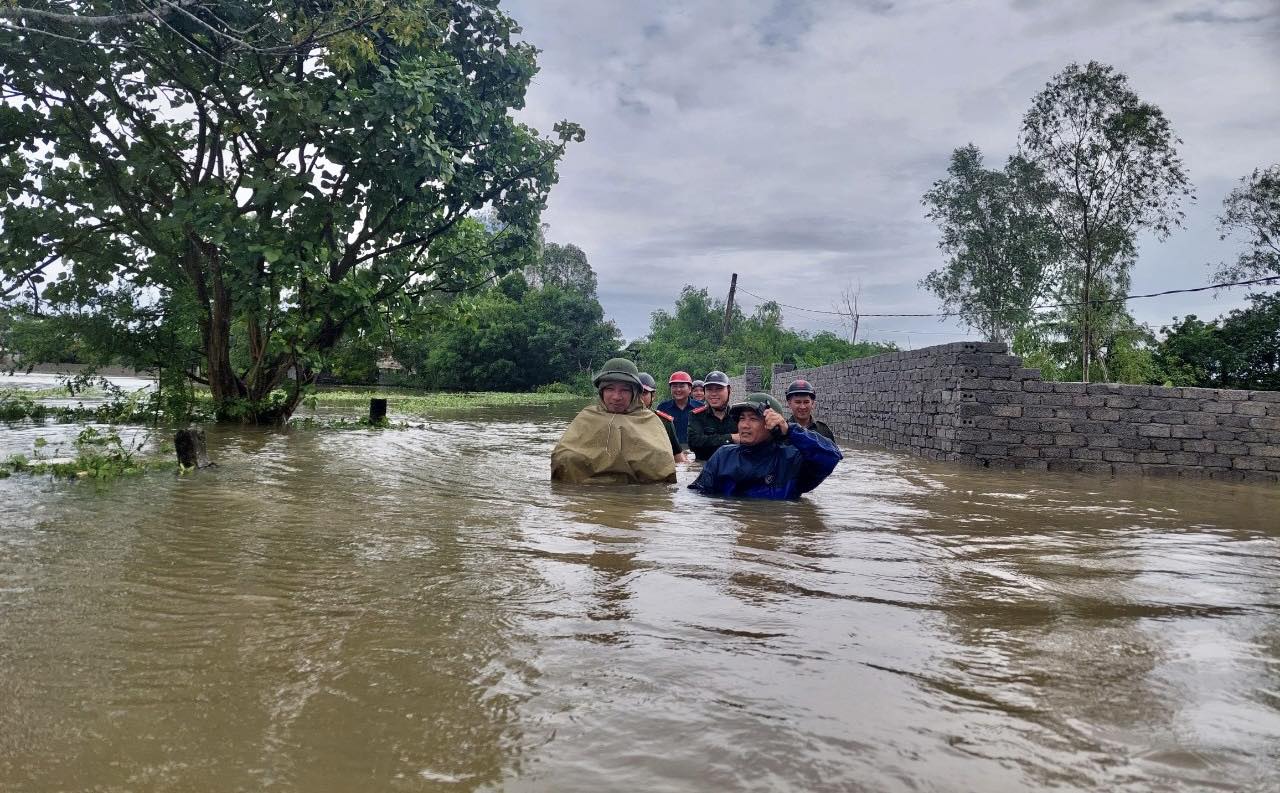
(189, 443)
(377, 411)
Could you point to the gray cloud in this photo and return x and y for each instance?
(790, 142)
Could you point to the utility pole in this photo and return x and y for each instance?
(728, 308)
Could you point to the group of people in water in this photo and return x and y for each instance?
(748, 447)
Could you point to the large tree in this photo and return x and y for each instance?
(1001, 248)
(1252, 210)
(290, 171)
(1113, 163)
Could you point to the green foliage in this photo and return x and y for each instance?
(1002, 249)
(1240, 350)
(1112, 166)
(99, 455)
(1253, 211)
(564, 266)
(689, 338)
(512, 337)
(272, 199)
(1124, 353)
(177, 406)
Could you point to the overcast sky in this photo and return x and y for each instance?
(791, 141)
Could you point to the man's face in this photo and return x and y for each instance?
(680, 391)
(616, 397)
(646, 397)
(801, 407)
(751, 428)
(699, 393)
(717, 396)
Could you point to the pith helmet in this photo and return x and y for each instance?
(698, 384)
(647, 382)
(717, 377)
(801, 388)
(618, 370)
(680, 377)
(759, 402)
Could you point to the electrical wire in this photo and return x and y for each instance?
(1251, 282)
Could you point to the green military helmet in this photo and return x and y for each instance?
(759, 402)
(618, 370)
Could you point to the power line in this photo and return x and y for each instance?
(1251, 282)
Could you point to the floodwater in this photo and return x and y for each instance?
(421, 609)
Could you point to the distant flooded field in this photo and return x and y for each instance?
(421, 609)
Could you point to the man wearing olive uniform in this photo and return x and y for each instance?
(649, 387)
(801, 399)
(711, 426)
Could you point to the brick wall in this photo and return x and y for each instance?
(973, 402)
(749, 382)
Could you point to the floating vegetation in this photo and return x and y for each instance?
(99, 455)
(143, 406)
(343, 423)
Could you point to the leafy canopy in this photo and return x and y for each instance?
(1002, 251)
(282, 196)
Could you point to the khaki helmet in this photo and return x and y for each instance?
(618, 370)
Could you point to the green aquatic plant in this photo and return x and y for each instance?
(100, 455)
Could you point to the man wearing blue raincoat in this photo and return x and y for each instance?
(761, 464)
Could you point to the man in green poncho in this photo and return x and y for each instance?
(616, 438)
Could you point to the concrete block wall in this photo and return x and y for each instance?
(749, 382)
(973, 402)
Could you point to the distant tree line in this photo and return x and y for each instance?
(691, 338)
(1057, 227)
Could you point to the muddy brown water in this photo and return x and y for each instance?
(422, 610)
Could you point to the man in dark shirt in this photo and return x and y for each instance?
(647, 389)
(711, 426)
(680, 406)
(801, 399)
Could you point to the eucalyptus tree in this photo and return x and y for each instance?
(1002, 251)
(1113, 164)
(291, 171)
(1253, 210)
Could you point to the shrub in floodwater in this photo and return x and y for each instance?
(100, 455)
(18, 406)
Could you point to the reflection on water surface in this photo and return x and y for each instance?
(423, 610)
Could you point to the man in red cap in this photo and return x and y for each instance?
(679, 407)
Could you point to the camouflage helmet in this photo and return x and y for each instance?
(647, 383)
(759, 402)
(617, 370)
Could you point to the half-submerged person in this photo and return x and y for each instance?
(616, 438)
(772, 459)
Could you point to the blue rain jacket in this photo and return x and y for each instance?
(770, 469)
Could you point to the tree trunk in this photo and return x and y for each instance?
(1084, 324)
